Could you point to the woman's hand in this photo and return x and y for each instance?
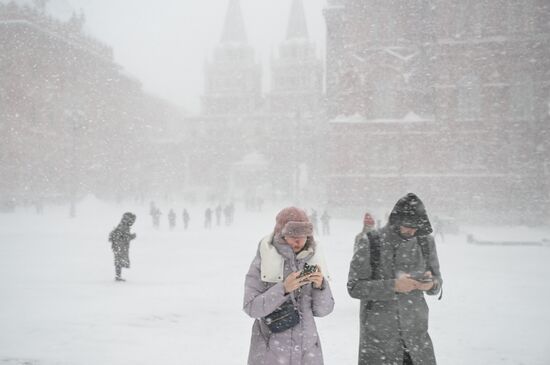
(316, 278)
(292, 282)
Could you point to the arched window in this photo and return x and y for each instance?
(469, 98)
(521, 97)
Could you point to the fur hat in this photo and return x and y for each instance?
(297, 229)
(292, 221)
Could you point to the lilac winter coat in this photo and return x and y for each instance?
(299, 345)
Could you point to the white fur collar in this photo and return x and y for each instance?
(272, 263)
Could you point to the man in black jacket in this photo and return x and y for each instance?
(390, 271)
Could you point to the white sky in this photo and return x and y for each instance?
(164, 43)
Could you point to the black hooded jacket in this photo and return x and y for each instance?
(409, 211)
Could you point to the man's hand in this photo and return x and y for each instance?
(427, 285)
(404, 284)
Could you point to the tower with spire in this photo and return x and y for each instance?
(294, 104)
(296, 75)
(287, 119)
(233, 77)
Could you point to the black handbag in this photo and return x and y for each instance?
(282, 318)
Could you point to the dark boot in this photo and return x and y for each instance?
(407, 358)
(118, 272)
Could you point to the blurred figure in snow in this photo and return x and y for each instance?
(172, 219)
(186, 219)
(218, 215)
(120, 238)
(325, 222)
(208, 218)
(368, 225)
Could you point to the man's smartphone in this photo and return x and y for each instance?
(421, 277)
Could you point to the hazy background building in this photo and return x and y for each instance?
(72, 121)
(447, 99)
(248, 142)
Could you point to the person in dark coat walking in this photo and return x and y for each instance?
(120, 238)
(393, 311)
(274, 279)
(325, 222)
(208, 218)
(186, 219)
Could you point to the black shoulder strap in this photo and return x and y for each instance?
(374, 246)
(425, 248)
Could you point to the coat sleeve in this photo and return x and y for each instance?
(360, 284)
(259, 302)
(323, 301)
(433, 265)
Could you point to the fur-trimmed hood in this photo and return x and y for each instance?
(272, 261)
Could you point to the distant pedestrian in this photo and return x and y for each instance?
(314, 221)
(155, 214)
(325, 222)
(368, 225)
(208, 218)
(186, 219)
(229, 212)
(120, 238)
(156, 217)
(172, 219)
(218, 215)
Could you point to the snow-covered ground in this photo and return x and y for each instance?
(182, 302)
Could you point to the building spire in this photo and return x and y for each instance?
(297, 26)
(233, 28)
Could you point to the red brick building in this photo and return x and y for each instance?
(72, 121)
(446, 99)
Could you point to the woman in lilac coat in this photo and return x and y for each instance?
(273, 279)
